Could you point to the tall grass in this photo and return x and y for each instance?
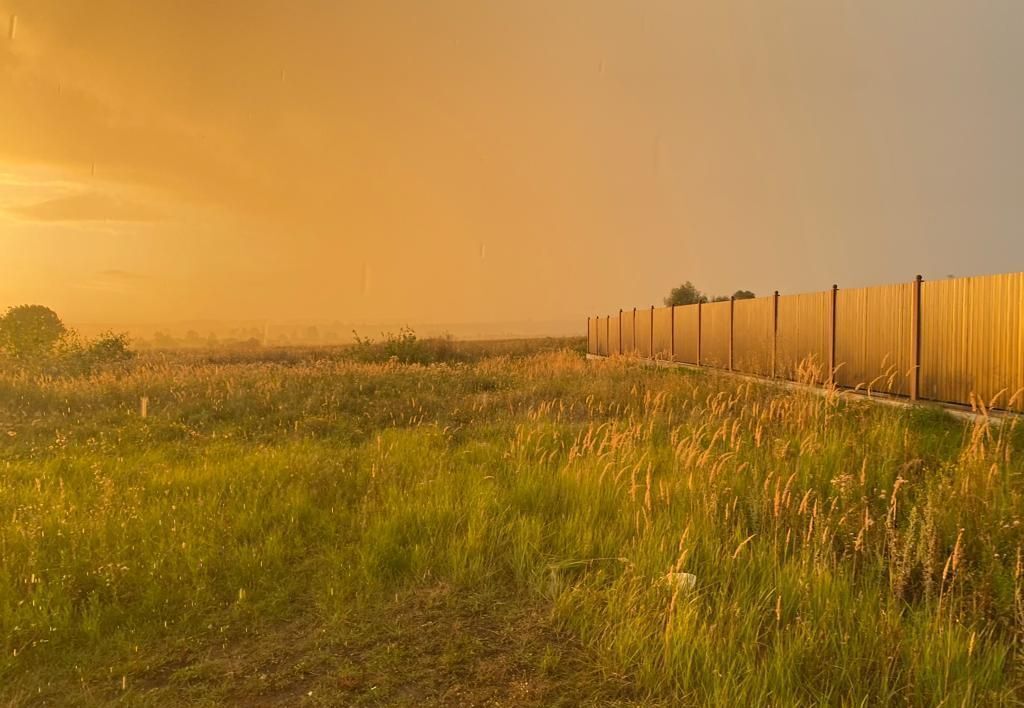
(842, 552)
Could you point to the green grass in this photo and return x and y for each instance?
(497, 530)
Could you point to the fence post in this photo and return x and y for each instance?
(632, 346)
(775, 334)
(588, 336)
(652, 333)
(672, 326)
(732, 309)
(608, 335)
(832, 337)
(915, 376)
(700, 328)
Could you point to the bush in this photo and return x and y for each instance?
(109, 348)
(80, 357)
(406, 348)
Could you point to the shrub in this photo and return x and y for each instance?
(406, 348)
(109, 348)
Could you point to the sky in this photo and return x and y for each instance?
(475, 161)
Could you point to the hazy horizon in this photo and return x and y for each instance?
(328, 331)
(497, 162)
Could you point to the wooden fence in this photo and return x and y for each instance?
(959, 340)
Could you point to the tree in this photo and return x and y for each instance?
(685, 294)
(30, 331)
(688, 294)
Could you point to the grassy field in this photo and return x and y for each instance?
(508, 526)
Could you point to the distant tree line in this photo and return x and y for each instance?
(689, 294)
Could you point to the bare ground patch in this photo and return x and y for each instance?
(429, 647)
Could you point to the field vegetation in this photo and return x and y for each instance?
(444, 523)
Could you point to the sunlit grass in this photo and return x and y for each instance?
(843, 552)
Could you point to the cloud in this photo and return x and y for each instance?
(85, 206)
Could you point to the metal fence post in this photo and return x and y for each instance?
(672, 329)
(915, 376)
(700, 328)
(608, 335)
(732, 309)
(775, 334)
(588, 336)
(832, 337)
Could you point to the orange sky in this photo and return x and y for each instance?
(495, 161)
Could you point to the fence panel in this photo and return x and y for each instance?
(972, 339)
(802, 342)
(686, 330)
(643, 333)
(663, 333)
(628, 343)
(613, 335)
(714, 334)
(875, 338)
(753, 335)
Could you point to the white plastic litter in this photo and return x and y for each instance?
(683, 581)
